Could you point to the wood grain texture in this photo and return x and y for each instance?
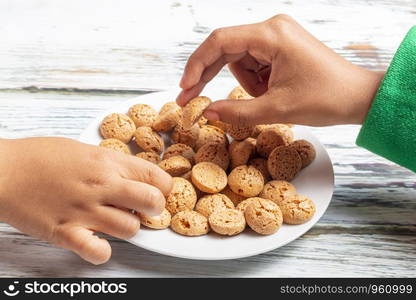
(64, 62)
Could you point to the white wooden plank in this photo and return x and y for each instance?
(143, 45)
(369, 252)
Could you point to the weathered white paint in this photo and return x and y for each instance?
(97, 46)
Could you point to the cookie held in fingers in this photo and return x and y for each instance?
(284, 163)
(142, 115)
(193, 111)
(241, 151)
(217, 123)
(209, 177)
(211, 135)
(115, 145)
(278, 191)
(180, 149)
(246, 181)
(156, 222)
(185, 136)
(151, 156)
(227, 221)
(263, 216)
(268, 140)
(190, 223)
(175, 165)
(117, 126)
(306, 151)
(297, 210)
(182, 196)
(239, 131)
(210, 203)
(148, 139)
(215, 153)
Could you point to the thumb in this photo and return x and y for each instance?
(245, 112)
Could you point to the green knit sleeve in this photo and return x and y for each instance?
(390, 127)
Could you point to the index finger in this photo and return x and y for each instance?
(144, 171)
(229, 40)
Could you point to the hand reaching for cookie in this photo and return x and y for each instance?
(63, 191)
(294, 77)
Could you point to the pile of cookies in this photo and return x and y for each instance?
(217, 185)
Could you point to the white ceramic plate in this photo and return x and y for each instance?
(315, 181)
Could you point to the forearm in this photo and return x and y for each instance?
(389, 129)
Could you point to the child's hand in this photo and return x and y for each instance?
(295, 77)
(63, 191)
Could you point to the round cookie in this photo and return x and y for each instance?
(115, 145)
(164, 122)
(188, 176)
(268, 140)
(182, 196)
(185, 136)
(217, 123)
(169, 106)
(235, 198)
(238, 131)
(278, 191)
(117, 126)
(211, 135)
(243, 204)
(241, 151)
(189, 223)
(284, 163)
(142, 115)
(261, 127)
(149, 156)
(306, 151)
(180, 149)
(156, 222)
(215, 153)
(246, 181)
(175, 165)
(297, 210)
(193, 111)
(261, 165)
(263, 216)
(239, 93)
(210, 203)
(227, 221)
(148, 139)
(209, 177)
(202, 121)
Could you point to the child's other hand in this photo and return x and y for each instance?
(295, 77)
(63, 191)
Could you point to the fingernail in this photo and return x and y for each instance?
(211, 115)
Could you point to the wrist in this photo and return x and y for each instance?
(366, 89)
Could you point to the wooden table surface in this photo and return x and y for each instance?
(63, 62)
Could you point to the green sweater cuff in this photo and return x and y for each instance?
(390, 127)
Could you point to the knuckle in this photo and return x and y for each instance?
(217, 34)
(281, 23)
